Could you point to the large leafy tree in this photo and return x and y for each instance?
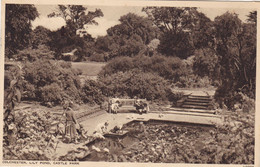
(74, 34)
(18, 27)
(76, 17)
(176, 23)
(62, 42)
(236, 49)
(205, 58)
(129, 38)
(40, 36)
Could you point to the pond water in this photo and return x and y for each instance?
(152, 141)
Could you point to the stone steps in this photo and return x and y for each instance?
(194, 107)
(198, 100)
(190, 110)
(196, 103)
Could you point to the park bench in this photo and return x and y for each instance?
(125, 105)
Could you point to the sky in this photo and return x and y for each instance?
(112, 15)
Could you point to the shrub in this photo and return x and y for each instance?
(118, 64)
(136, 83)
(33, 54)
(167, 67)
(193, 81)
(91, 92)
(101, 57)
(33, 140)
(50, 81)
(51, 93)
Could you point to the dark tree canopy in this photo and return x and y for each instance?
(74, 34)
(18, 27)
(178, 26)
(252, 17)
(77, 17)
(236, 49)
(172, 19)
(129, 38)
(40, 36)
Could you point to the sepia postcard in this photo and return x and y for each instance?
(129, 83)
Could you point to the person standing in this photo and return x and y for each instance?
(70, 129)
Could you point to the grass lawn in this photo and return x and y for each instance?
(88, 68)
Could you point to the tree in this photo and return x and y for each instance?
(40, 36)
(18, 27)
(172, 19)
(252, 17)
(75, 17)
(236, 49)
(202, 32)
(62, 42)
(176, 23)
(129, 38)
(74, 35)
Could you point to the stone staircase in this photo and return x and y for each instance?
(195, 104)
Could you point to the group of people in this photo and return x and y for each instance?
(113, 105)
(140, 105)
(73, 129)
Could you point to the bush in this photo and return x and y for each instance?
(51, 93)
(50, 81)
(91, 92)
(193, 81)
(101, 57)
(33, 140)
(33, 54)
(167, 67)
(136, 83)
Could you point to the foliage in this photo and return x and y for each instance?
(40, 36)
(182, 29)
(252, 17)
(177, 45)
(229, 143)
(136, 83)
(98, 57)
(236, 50)
(167, 67)
(193, 81)
(18, 27)
(91, 92)
(129, 38)
(63, 42)
(32, 54)
(76, 17)
(50, 81)
(33, 138)
(74, 35)
(206, 64)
